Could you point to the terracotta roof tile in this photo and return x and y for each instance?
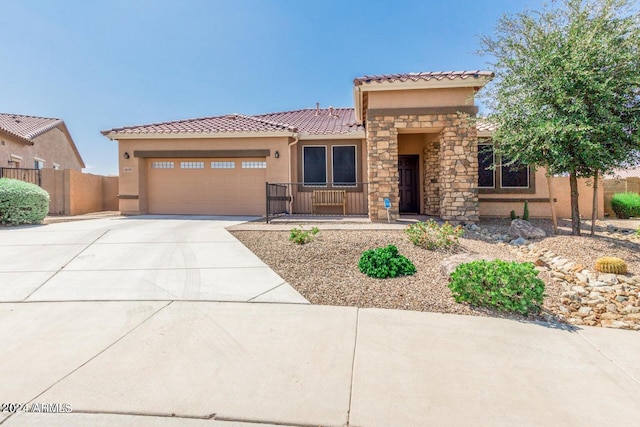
(312, 121)
(426, 76)
(322, 121)
(26, 127)
(484, 125)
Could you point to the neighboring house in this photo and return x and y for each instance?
(409, 139)
(36, 143)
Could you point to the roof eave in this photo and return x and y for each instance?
(304, 136)
(445, 83)
(191, 135)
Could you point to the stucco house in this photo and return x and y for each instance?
(37, 143)
(410, 139)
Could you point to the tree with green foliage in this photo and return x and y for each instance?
(567, 90)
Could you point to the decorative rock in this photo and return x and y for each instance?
(449, 264)
(614, 324)
(608, 278)
(522, 228)
(584, 311)
(580, 290)
(519, 241)
(609, 316)
(612, 308)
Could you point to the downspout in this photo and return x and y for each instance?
(291, 144)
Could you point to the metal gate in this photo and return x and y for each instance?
(22, 174)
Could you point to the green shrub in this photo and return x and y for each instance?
(626, 205)
(300, 236)
(525, 214)
(385, 262)
(431, 236)
(505, 286)
(22, 202)
(638, 232)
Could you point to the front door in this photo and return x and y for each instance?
(408, 185)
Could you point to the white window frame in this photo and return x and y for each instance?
(326, 169)
(333, 178)
(222, 164)
(163, 164)
(195, 163)
(493, 162)
(39, 160)
(254, 164)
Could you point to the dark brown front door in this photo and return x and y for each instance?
(408, 185)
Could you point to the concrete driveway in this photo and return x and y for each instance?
(160, 258)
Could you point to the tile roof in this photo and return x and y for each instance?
(321, 121)
(483, 125)
(26, 127)
(312, 121)
(426, 76)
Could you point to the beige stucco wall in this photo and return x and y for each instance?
(52, 147)
(133, 180)
(75, 193)
(542, 209)
(421, 98)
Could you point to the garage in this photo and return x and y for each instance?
(206, 186)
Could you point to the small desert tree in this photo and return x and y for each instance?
(566, 93)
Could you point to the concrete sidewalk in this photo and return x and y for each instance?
(163, 363)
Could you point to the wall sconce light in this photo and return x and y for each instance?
(126, 155)
(11, 162)
(277, 154)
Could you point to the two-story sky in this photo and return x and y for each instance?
(104, 64)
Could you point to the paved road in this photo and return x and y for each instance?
(182, 362)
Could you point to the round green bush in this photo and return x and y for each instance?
(22, 202)
(385, 262)
(626, 205)
(505, 286)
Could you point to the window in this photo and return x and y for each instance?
(515, 175)
(161, 165)
(192, 165)
(254, 165)
(314, 165)
(513, 178)
(223, 165)
(344, 164)
(486, 159)
(38, 164)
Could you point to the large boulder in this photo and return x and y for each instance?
(526, 230)
(449, 264)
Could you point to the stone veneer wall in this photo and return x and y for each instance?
(450, 187)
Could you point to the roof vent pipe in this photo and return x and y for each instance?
(317, 108)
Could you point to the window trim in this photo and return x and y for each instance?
(326, 169)
(493, 154)
(497, 180)
(528, 169)
(355, 166)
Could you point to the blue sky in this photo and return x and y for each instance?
(104, 64)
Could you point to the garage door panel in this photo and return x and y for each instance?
(207, 191)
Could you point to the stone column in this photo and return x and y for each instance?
(459, 170)
(382, 148)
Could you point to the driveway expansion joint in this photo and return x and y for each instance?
(65, 264)
(101, 351)
(353, 365)
(610, 359)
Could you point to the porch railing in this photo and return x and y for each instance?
(295, 198)
(33, 176)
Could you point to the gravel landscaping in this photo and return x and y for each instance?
(325, 271)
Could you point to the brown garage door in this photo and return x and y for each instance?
(206, 186)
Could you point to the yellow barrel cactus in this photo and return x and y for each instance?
(609, 264)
